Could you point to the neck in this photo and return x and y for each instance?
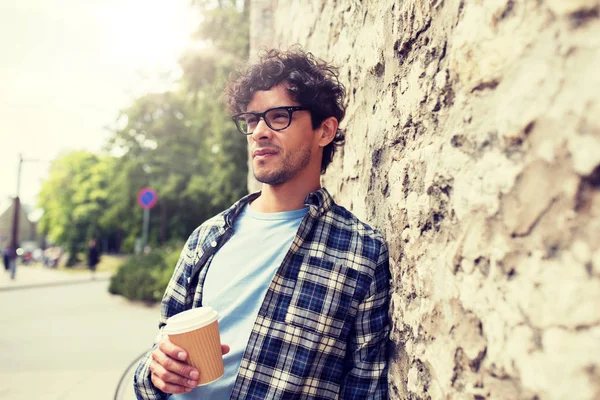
(285, 197)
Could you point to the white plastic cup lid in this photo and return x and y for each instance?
(190, 320)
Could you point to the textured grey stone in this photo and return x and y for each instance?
(474, 145)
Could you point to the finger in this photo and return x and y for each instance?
(166, 380)
(225, 349)
(183, 370)
(172, 350)
(168, 387)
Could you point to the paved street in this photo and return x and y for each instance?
(68, 339)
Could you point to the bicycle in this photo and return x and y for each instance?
(124, 389)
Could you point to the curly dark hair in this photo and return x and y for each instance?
(311, 82)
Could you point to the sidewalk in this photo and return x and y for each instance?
(29, 276)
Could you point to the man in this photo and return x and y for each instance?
(300, 284)
(6, 258)
(93, 256)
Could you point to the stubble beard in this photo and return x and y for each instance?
(289, 168)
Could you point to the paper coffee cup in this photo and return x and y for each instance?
(197, 332)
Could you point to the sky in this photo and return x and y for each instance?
(68, 66)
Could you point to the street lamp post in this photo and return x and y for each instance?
(14, 243)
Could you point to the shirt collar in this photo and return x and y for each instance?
(319, 201)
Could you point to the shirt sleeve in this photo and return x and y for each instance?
(173, 302)
(142, 384)
(366, 359)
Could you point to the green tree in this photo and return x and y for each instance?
(183, 143)
(163, 146)
(226, 28)
(74, 198)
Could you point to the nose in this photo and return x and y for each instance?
(262, 131)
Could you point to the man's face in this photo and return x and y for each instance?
(279, 156)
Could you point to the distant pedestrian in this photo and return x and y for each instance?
(6, 258)
(93, 255)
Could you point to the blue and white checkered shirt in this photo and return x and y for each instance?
(322, 330)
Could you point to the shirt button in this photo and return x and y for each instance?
(213, 243)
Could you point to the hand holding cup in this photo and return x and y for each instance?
(192, 355)
(170, 371)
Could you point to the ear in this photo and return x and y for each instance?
(327, 131)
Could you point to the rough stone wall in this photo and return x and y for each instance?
(474, 145)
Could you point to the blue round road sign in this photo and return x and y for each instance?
(147, 198)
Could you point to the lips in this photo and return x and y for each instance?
(264, 152)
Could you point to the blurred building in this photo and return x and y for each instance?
(28, 219)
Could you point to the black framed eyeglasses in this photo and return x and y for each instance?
(277, 119)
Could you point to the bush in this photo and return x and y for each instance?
(136, 279)
(145, 276)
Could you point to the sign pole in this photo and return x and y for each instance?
(145, 231)
(147, 199)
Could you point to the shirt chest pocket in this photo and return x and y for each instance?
(324, 297)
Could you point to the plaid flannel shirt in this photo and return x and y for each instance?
(322, 329)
